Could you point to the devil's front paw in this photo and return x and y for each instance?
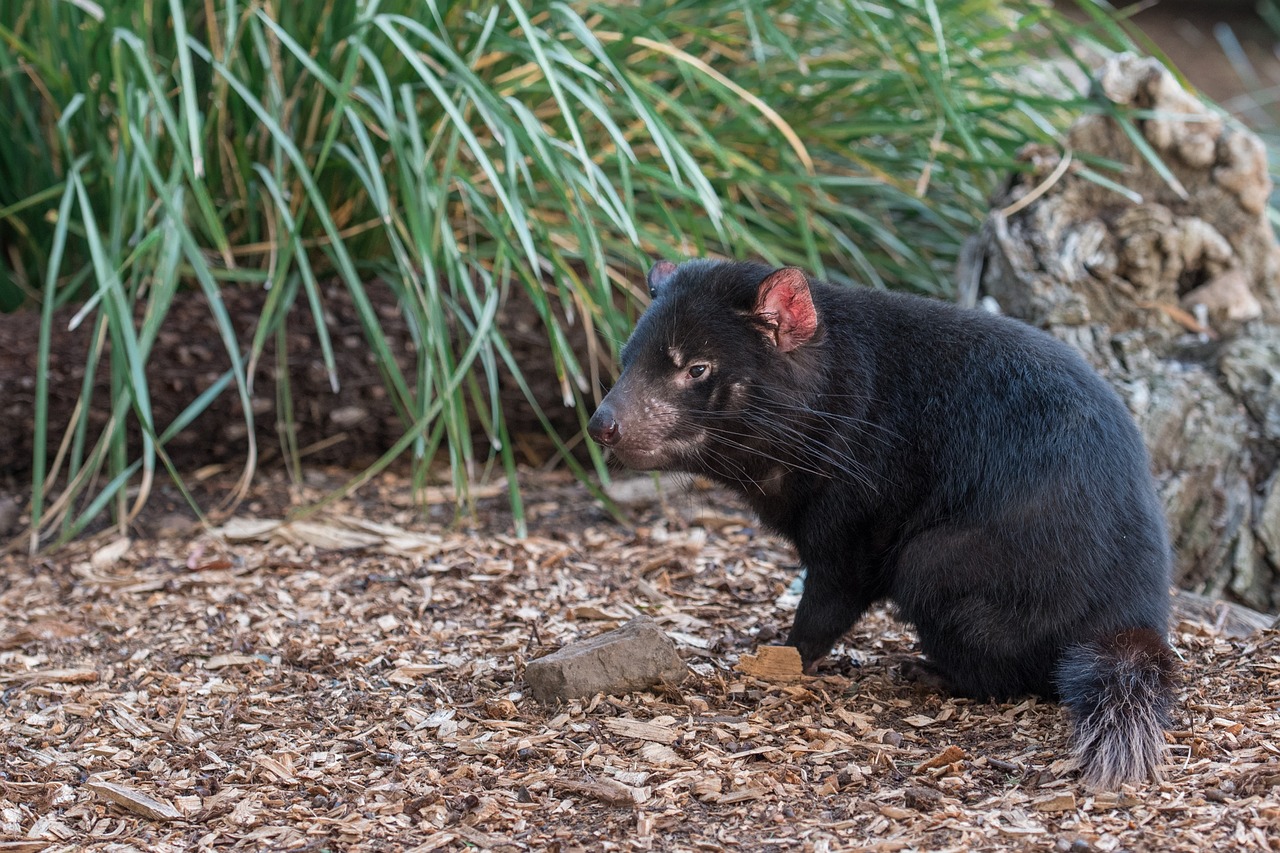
(811, 667)
(828, 608)
(811, 652)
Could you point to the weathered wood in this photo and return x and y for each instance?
(1172, 290)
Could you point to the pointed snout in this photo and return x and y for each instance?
(603, 426)
(627, 426)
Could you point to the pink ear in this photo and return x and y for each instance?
(785, 305)
(659, 275)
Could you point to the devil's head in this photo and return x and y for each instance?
(720, 344)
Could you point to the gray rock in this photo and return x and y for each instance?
(1251, 366)
(636, 656)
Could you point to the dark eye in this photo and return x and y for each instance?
(698, 370)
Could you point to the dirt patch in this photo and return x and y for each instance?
(358, 682)
(1196, 36)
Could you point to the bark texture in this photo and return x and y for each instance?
(1170, 284)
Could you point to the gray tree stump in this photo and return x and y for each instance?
(1170, 285)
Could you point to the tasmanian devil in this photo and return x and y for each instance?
(967, 467)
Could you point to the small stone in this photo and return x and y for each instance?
(348, 416)
(636, 656)
(922, 799)
(1070, 845)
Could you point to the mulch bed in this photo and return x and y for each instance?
(356, 681)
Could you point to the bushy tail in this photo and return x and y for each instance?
(1119, 690)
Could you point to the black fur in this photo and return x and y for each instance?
(969, 468)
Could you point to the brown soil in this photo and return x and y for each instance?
(351, 426)
(356, 682)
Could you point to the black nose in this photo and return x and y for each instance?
(603, 427)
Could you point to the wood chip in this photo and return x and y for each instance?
(134, 800)
(110, 554)
(287, 700)
(773, 663)
(220, 661)
(1064, 802)
(410, 675)
(626, 727)
(896, 812)
(950, 755)
(63, 676)
(605, 790)
(485, 840)
(708, 788)
(42, 631)
(281, 771)
(659, 755)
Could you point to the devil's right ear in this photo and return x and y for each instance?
(785, 309)
(660, 275)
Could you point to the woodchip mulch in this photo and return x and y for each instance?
(354, 682)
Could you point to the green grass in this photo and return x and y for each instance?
(458, 150)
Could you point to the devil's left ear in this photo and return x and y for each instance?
(660, 275)
(785, 308)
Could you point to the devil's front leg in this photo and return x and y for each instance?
(832, 601)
